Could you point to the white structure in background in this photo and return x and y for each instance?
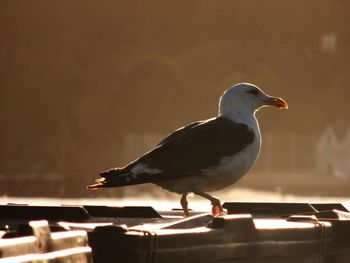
(333, 153)
(329, 42)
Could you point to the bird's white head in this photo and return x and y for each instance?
(245, 99)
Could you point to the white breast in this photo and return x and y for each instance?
(233, 168)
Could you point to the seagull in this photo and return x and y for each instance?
(203, 156)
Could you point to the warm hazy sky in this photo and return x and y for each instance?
(85, 74)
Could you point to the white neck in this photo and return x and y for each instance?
(242, 117)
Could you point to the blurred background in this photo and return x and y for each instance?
(90, 85)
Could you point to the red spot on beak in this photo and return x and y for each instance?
(277, 102)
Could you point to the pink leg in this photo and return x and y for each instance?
(184, 204)
(217, 209)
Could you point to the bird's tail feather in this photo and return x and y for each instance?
(112, 178)
(99, 183)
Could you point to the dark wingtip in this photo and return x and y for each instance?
(110, 172)
(102, 174)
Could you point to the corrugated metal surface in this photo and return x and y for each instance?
(251, 232)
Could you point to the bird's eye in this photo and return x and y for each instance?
(254, 92)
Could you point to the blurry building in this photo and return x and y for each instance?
(333, 151)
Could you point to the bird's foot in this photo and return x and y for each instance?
(218, 210)
(186, 213)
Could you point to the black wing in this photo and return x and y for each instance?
(179, 133)
(198, 147)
